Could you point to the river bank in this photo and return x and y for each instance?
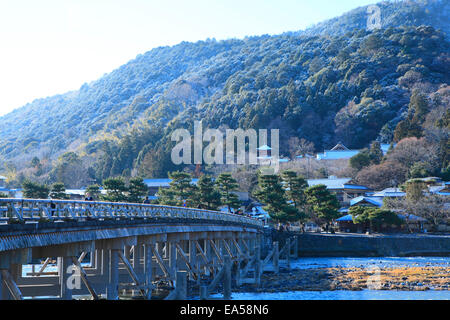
(362, 245)
(354, 279)
(330, 278)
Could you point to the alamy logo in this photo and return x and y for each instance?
(230, 147)
(374, 280)
(74, 280)
(374, 18)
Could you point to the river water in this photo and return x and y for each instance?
(313, 263)
(386, 262)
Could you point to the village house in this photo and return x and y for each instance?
(340, 151)
(154, 184)
(343, 188)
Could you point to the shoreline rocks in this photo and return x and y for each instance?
(354, 279)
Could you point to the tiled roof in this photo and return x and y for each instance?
(335, 155)
(390, 192)
(348, 217)
(162, 182)
(330, 183)
(376, 201)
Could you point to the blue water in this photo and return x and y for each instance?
(345, 295)
(313, 263)
(387, 262)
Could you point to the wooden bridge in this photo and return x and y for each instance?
(103, 250)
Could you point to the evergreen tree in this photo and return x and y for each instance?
(227, 185)
(137, 189)
(295, 191)
(375, 153)
(324, 204)
(374, 217)
(94, 191)
(58, 191)
(412, 125)
(207, 196)
(115, 190)
(360, 160)
(33, 190)
(180, 190)
(271, 193)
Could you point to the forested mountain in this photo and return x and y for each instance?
(333, 82)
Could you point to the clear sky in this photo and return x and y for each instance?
(49, 47)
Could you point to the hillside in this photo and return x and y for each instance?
(320, 85)
(392, 13)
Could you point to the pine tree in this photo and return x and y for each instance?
(137, 189)
(180, 190)
(33, 190)
(227, 185)
(94, 191)
(271, 193)
(58, 191)
(412, 125)
(295, 191)
(207, 196)
(324, 204)
(375, 153)
(115, 190)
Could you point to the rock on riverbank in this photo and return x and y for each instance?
(339, 278)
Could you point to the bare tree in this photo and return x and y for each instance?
(300, 147)
(433, 208)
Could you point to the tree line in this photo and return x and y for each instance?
(117, 190)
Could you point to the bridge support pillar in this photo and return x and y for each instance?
(288, 253)
(193, 257)
(112, 287)
(4, 293)
(207, 251)
(181, 285)
(276, 254)
(1, 286)
(295, 255)
(93, 259)
(172, 258)
(65, 286)
(137, 266)
(148, 268)
(227, 278)
(258, 268)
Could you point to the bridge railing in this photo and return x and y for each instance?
(30, 210)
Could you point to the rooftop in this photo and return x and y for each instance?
(376, 201)
(162, 182)
(338, 154)
(336, 183)
(347, 217)
(340, 151)
(390, 192)
(264, 148)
